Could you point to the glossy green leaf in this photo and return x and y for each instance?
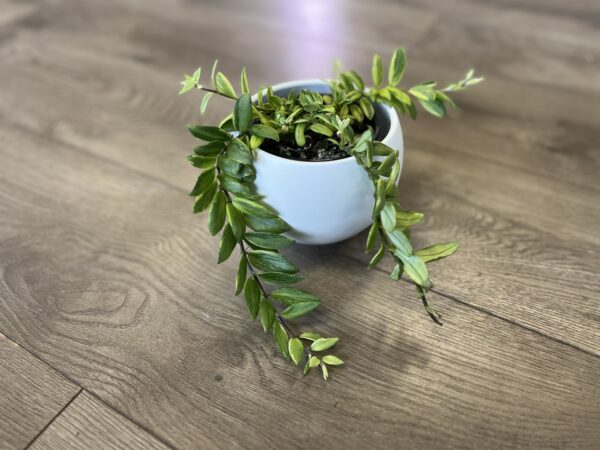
(299, 134)
(224, 86)
(434, 107)
(238, 151)
(269, 225)
(422, 92)
(216, 214)
(211, 149)
(253, 208)
(202, 162)
(310, 336)
(388, 216)
(378, 257)
(269, 240)
(242, 113)
(204, 103)
(205, 199)
(377, 70)
(323, 344)
(437, 251)
(399, 240)
(267, 314)
(289, 296)
(393, 178)
(236, 221)
(252, 295)
(332, 360)
(203, 183)
(265, 131)
(281, 339)
(240, 278)
(207, 133)
(233, 185)
(380, 188)
(298, 309)
(226, 245)
(321, 129)
(280, 278)
(372, 236)
(271, 262)
(296, 350)
(405, 219)
(397, 65)
(244, 82)
(414, 267)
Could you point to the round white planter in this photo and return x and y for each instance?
(323, 202)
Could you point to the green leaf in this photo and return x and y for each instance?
(205, 199)
(387, 164)
(224, 86)
(393, 178)
(367, 107)
(264, 131)
(242, 113)
(378, 257)
(380, 188)
(233, 185)
(299, 134)
(377, 70)
(268, 240)
(202, 162)
(356, 80)
(213, 72)
(269, 225)
(256, 141)
(399, 240)
(373, 233)
(236, 221)
(240, 278)
(271, 262)
(325, 371)
(253, 208)
(281, 339)
(321, 129)
(388, 216)
(296, 350)
(307, 368)
(230, 167)
(205, 101)
(323, 344)
(397, 64)
(414, 267)
(252, 296)
(190, 82)
(422, 92)
(405, 219)
(397, 272)
(238, 151)
(211, 149)
(227, 244)
(332, 360)
(204, 182)
(314, 362)
(298, 309)
(267, 314)
(310, 336)
(437, 251)
(434, 107)
(244, 82)
(289, 296)
(280, 278)
(207, 133)
(216, 214)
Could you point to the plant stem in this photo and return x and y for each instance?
(214, 91)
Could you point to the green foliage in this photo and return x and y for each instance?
(225, 187)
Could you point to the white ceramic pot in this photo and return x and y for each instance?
(324, 202)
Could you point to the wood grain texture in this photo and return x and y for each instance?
(107, 276)
(87, 423)
(31, 394)
(140, 316)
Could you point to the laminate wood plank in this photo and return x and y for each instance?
(31, 394)
(88, 423)
(107, 276)
(456, 170)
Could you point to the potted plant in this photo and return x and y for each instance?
(313, 162)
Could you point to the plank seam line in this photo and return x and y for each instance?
(90, 392)
(177, 188)
(51, 421)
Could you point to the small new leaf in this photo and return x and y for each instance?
(377, 70)
(323, 344)
(332, 360)
(397, 65)
(296, 350)
(224, 86)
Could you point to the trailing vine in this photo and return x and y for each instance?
(225, 188)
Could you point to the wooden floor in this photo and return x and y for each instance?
(118, 330)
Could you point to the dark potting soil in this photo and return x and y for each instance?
(317, 147)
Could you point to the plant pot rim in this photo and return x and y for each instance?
(391, 113)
